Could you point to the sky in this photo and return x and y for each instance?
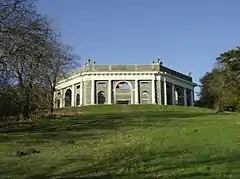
(187, 35)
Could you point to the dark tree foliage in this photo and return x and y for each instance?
(206, 99)
(31, 58)
(221, 86)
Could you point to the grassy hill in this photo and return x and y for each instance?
(144, 141)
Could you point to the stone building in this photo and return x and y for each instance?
(124, 84)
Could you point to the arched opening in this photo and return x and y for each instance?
(78, 99)
(145, 97)
(123, 93)
(123, 85)
(68, 98)
(58, 103)
(176, 97)
(179, 97)
(169, 94)
(101, 97)
(189, 97)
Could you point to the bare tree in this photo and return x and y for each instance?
(31, 56)
(61, 60)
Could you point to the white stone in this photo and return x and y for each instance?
(122, 76)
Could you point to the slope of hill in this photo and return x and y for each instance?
(144, 141)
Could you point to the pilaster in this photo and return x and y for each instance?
(93, 92)
(185, 96)
(62, 99)
(153, 92)
(81, 93)
(160, 92)
(109, 91)
(165, 89)
(54, 99)
(192, 97)
(136, 92)
(73, 96)
(173, 94)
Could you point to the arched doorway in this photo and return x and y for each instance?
(123, 92)
(169, 94)
(101, 97)
(78, 99)
(176, 97)
(58, 103)
(68, 98)
(179, 96)
(145, 97)
(189, 97)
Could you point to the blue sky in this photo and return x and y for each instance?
(186, 35)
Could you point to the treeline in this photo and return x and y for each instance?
(221, 87)
(32, 57)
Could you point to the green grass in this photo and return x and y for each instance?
(125, 142)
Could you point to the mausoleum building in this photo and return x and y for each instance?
(124, 84)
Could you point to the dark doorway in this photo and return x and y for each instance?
(179, 96)
(101, 97)
(68, 98)
(78, 100)
(58, 103)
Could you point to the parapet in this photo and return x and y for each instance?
(156, 66)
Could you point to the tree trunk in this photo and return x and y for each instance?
(52, 102)
(26, 104)
(26, 109)
(221, 108)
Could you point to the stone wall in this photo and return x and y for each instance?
(101, 91)
(87, 92)
(145, 92)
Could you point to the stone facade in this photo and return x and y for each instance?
(124, 84)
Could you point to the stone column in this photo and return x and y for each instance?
(85, 92)
(153, 92)
(62, 99)
(132, 94)
(136, 92)
(81, 93)
(54, 99)
(165, 90)
(93, 92)
(185, 96)
(73, 96)
(192, 97)
(109, 91)
(160, 90)
(173, 94)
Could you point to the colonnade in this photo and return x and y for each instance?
(134, 92)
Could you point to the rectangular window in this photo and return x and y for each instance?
(145, 84)
(101, 84)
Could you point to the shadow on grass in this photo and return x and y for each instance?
(90, 126)
(125, 164)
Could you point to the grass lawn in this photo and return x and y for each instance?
(144, 141)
